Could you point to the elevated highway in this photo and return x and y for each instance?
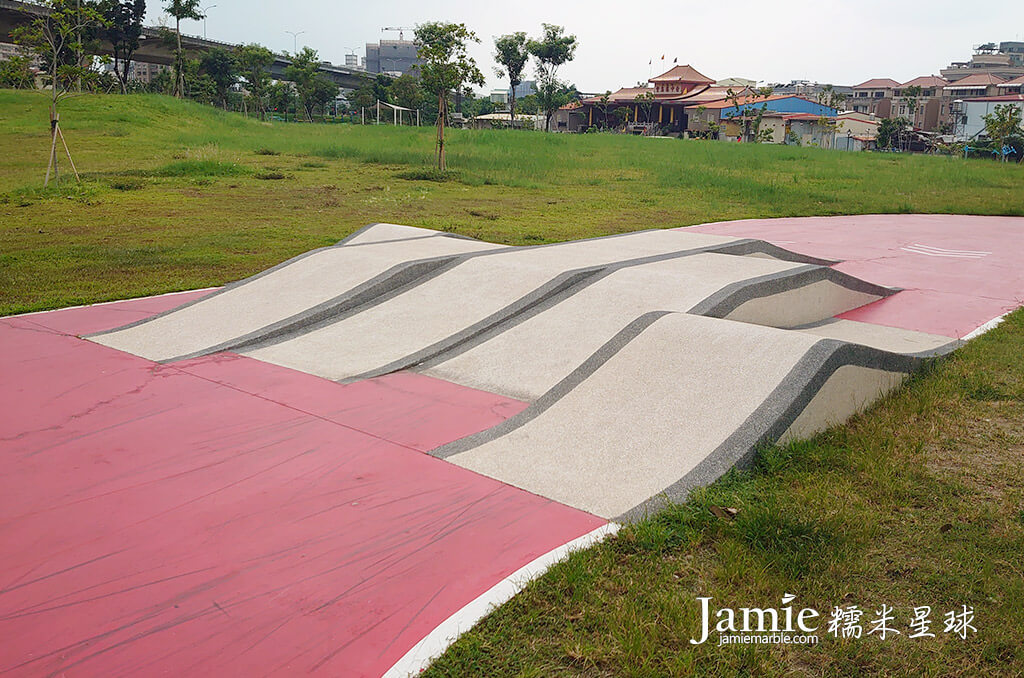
(155, 50)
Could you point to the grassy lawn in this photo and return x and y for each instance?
(176, 195)
(919, 501)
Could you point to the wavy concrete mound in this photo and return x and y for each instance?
(652, 362)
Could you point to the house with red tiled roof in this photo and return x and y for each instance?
(923, 102)
(874, 97)
(975, 85)
(1015, 86)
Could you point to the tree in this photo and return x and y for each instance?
(644, 101)
(181, 9)
(16, 73)
(253, 64)
(889, 131)
(551, 51)
(1003, 122)
(446, 67)
(321, 92)
(406, 91)
(603, 102)
(910, 95)
(222, 68)
(123, 30)
(511, 56)
(829, 96)
(56, 38)
(528, 105)
(281, 96)
(303, 71)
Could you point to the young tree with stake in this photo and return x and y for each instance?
(446, 68)
(56, 38)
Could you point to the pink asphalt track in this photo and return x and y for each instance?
(957, 272)
(223, 516)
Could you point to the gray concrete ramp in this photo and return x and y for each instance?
(526, 359)
(470, 297)
(377, 258)
(669, 404)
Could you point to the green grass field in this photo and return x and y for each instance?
(179, 195)
(919, 501)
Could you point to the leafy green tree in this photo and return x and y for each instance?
(56, 38)
(890, 131)
(644, 101)
(528, 105)
(281, 96)
(446, 67)
(16, 73)
(303, 71)
(1002, 123)
(910, 96)
(123, 30)
(221, 67)
(181, 9)
(511, 56)
(321, 92)
(254, 61)
(553, 49)
(406, 91)
(829, 96)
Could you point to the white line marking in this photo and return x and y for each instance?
(986, 327)
(107, 303)
(437, 641)
(948, 251)
(929, 253)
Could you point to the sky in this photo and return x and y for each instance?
(826, 41)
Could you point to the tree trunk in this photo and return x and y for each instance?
(512, 107)
(178, 76)
(442, 105)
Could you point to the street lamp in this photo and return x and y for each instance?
(204, 9)
(295, 40)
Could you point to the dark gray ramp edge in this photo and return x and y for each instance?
(774, 417)
(731, 297)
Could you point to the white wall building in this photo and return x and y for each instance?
(970, 122)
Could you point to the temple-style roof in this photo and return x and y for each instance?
(684, 73)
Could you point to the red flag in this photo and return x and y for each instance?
(662, 57)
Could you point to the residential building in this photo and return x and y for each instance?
(502, 120)
(500, 97)
(809, 89)
(970, 113)
(145, 72)
(873, 97)
(1005, 60)
(704, 115)
(1015, 86)
(391, 56)
(929, 109)
(975, 85)
(525, 89)
(570, 118)
(857, 124)
(736, 82)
